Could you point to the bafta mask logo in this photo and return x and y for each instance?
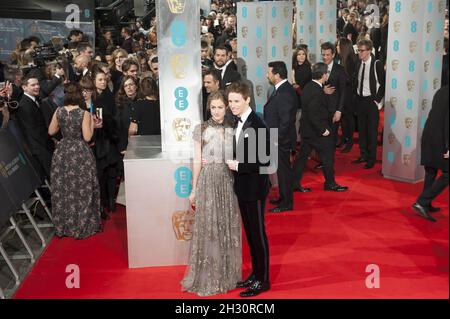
(176, 6)
(286, 51)
(244, 70)
(395, 64)
(331, 28)
(391, 138)
(274, 32)
(321, 41)
(429, 26)
(411, 85)
(426, 66)
(321, 15)
(397, 26)
(311, 2)
(438, 45)
(259, 90)
(286, 11)
(181, 128)
(414, 6)
(302, 41)
(259, 52)
(436, 84)
(301, 15)
(441, 6)
(34, 28)
(393, 101)
(408, 122)
(244, 32)
(311, 29)
(179, 63)
(259, 12)
(406, 159)
(412, 46)
(424, 104)
(182, 223)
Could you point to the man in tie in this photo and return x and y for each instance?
(33, 125)
(280, 113)
(222, 62)
(370, 84)
(251, 185)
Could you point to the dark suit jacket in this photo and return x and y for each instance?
(280, 112)
(249, 184)
(377, 95)
(229, 77)
(127, 45)
(315, 115)
(337, 79)
(34, 128)
(435, 137)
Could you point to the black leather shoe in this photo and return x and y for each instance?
(319, 166)
(247, 282)
(359, 161)
(423, 212)
(302, 190)
(255, 289)
(275, 201)
(280, 209)
(369, 166)
(347, 149)
(432, 209)
(335, 188)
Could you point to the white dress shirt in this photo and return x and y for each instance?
(330, 67)
(33, 99)
(244, 118)
(280, 84)
(318, 83)
(366, 87)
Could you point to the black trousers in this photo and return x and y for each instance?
(325, 147)
(348, 125)
(253, 219)
(107, 182)
(285, 175)
(368, 119)
(432, 187)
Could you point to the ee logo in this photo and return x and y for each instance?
(178, 30)
(181, 102)
(183, 185)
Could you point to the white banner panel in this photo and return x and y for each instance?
(179, 74)
(414, 66)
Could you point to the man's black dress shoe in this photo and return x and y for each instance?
(369, 165)
(423, 212)
(275, 201)
(359, 161)
(319, 166)
(255, 289)
(247, 282)
(280, 209)
(348, 147)
(336, 188)
(302, 190)
(432, 209)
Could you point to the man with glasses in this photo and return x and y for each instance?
(369, 82)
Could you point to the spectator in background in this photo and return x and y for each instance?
(119, 56)
(146, 119)
(350, 28)
(75, 37)
(301, 70)
(127, 44)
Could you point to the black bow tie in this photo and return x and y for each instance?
(239, 119)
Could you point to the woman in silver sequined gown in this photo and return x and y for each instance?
(216, 256)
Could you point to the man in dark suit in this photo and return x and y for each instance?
(222, 63)
(435, 154)
(251, 185)
(33, 124)
(280, 113)
(335, 86)
(316, 131)
(127, 43)
(370, 84)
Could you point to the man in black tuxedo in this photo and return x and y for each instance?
(316, 131)
(33, 124)
(251, 185)
(222, 63)
(370, 83)
(280, 113)
(335, 86)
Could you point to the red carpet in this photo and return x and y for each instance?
(319, 251)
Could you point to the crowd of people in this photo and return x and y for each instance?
(88, 111)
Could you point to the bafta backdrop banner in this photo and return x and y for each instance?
(316, 24)
(180, 72)
(414, 66)
(264, 35)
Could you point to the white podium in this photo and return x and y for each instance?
(159, 223)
